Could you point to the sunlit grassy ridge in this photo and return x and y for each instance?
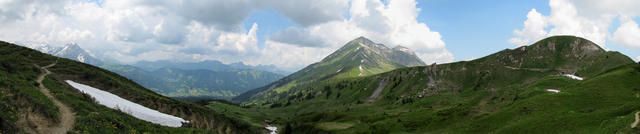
(358, 58)
(505, 92)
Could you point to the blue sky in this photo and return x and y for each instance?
(473, 29)
(292, 34)
(270, 21)
(470, 29)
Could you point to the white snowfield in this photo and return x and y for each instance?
(573, 76)
(553, 90)
(360, 67)
(272, 129)
(136, 110)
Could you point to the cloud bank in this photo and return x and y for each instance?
(190, 30)
(590, 19)
(391, 24)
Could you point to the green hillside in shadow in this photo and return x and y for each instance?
(23, 105)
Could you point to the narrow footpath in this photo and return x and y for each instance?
(635, 123)
(66, 115)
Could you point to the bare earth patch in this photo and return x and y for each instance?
(334, 125)
(635, 123)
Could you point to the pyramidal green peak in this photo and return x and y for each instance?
(357, 58)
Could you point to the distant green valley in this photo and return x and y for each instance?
(178, 79)
(175, 82)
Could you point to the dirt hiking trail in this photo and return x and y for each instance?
(66, 115)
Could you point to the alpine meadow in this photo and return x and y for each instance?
(316, 67)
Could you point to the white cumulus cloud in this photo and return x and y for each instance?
(191, 30)
(289, 56)
(628, 33)
(590, 19)
(533, 29)
(392, 24)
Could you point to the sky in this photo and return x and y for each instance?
(292, 34)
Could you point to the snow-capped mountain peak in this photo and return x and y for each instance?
(71, 51)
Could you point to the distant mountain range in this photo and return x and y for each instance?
(175, 82)
(206, 65)
(178, 79)
(69, 51)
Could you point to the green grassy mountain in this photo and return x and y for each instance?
(26, 109)
(358, 58)
(511, 91)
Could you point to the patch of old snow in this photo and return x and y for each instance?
(81, 58)
(272, 129)
(553, 90)
(339, 70)
(363, 45)
(573, 76)
(404, 49)
(360, 67)
(136, 110)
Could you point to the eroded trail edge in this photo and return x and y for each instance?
(635, 123)
(376, 93)
(66, 115)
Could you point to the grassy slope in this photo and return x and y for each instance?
(602, 104)
(342, 64)
(18, 91)
(19, 94)
(479, 96)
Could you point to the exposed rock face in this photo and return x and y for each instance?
(399, 54)
(405, 57)
(564, 53)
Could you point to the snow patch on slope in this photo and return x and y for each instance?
(553, 90)
(404, 49)
(360, 67)
(81, 58)
(136, 110)
(272, 129)
(573, 76)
